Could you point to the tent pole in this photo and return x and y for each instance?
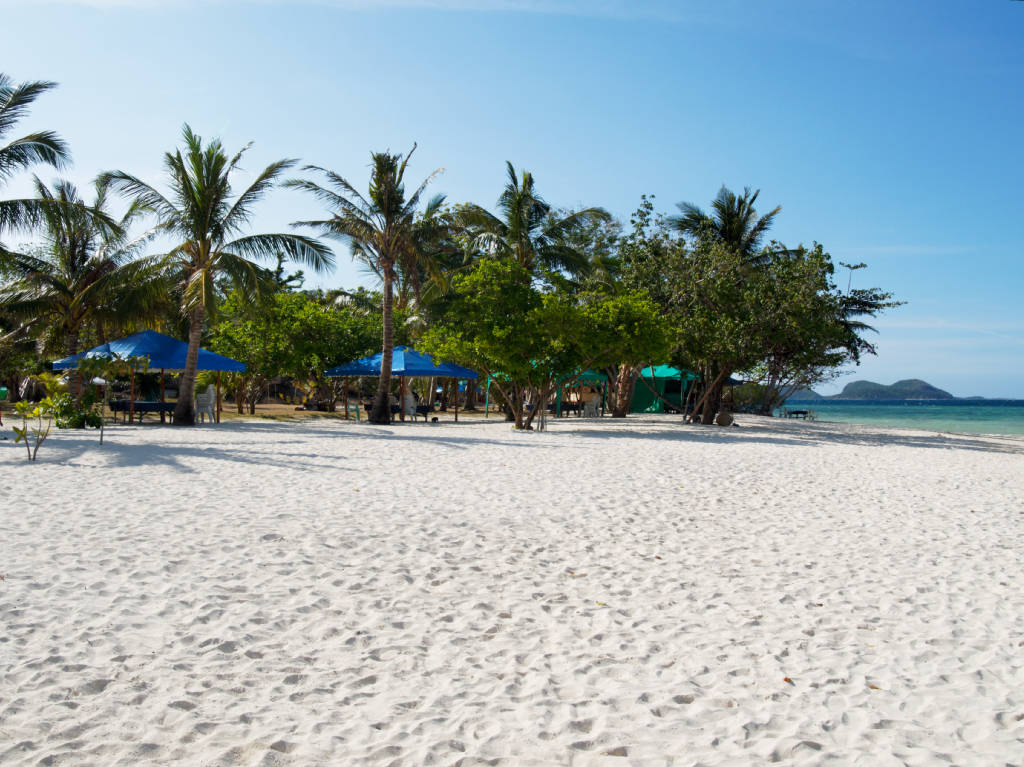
(345, 399)
(487, 397)
(401, 398)
(131, 399)
(218, 397)
(456, 400)
(163, 415)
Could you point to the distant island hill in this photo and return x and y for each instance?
(912, 388)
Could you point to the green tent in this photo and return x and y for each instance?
(586, 378)
(671, 383)
(592, 377)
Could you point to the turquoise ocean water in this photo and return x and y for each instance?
(991, 416)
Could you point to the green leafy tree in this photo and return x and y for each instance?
(380, 229)
(33, 434)
(291, 335)
(206, 224)
(643, 263)
(719, 324)
(811, 328)
(531, 342)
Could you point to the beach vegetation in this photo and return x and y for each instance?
(70, 412)
(528, 231)
(529, 341)
(733, 222)
(84, 276)
(293, 335)
(379, 227)
(529, 295)
(20, 154)
(772, 314)
(206, 224)
(33, 430)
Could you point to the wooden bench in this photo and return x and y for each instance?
(141, 408)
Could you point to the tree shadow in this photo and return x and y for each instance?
(120, 455)
(810, 434)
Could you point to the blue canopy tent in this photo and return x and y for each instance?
(163, 352)
(405, 363)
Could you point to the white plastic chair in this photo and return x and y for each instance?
(206, 404)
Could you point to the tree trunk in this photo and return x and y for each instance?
(185, 410)
(381, 412)
(518, 406)
(74, 375)
(713, 399)
(624, 386)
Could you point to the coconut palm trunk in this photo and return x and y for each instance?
(74, 376)
(185, 411)
(207, 222)
(380, 229)
(381, 411)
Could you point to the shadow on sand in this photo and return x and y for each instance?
(810, 434)
(293, 445)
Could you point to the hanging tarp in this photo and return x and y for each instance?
(163, 352)
(667, 371)
(404, 362)
(670, 382)
(592, 377)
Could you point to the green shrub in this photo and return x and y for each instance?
(69, 414)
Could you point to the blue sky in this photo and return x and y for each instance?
(889, 132)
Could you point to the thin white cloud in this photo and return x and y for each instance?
(1006, 332)
(657, 9)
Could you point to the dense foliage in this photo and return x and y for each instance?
(530, 296)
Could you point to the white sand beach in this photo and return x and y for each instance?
(607, 592)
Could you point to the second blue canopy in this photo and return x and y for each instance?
(404, 362)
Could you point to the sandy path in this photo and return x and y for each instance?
(604, 593)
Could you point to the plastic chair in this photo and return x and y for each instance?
(206, 404)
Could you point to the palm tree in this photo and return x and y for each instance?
(527, 230)
(206, 230)
(84, 274)
(423, 259)
(733, 221)
(379, 227)
(40, 148)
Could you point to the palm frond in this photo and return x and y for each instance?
(253, 281)
(20, 215)
(144, 195)
(298, 248)
(239, 212)
(41, 148)
(16, 99)
(329, 197)
(345, 187)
